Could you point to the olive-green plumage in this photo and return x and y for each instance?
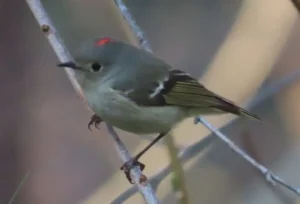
(140, 93)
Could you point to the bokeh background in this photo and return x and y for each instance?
(238, 48)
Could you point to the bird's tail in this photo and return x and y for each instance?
(243, 112)
(230, 107)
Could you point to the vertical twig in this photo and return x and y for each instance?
(178, 179)
(62, 53)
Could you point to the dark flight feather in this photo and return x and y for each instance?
(180, 89)
(183, 90)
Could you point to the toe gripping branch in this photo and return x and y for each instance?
(95, 120)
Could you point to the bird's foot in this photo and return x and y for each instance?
(95, 120)
(127, 166)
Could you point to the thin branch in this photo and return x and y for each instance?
(133, 25)
(177, 167)
(62, 53)
(269, 176)
(192, 150)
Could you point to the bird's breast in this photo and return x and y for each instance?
(123, 113)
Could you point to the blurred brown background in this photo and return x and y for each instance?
(239, 47)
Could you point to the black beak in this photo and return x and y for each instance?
(68, 64)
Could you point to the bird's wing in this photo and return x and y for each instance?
(180, 89)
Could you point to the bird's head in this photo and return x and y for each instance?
(92, 55)
(95, 59)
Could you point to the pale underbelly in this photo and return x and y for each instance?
(122, 113)
(153, 120)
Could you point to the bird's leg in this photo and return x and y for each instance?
(95, 120)
(126, 167)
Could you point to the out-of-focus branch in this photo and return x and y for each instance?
(18, 188)
(275, 87)
(191, 151)
(62, 53)
(177, 167)
(296, 4)
(178, 180)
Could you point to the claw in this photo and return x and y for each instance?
(95, 120)
(127, 166)
(89, 125)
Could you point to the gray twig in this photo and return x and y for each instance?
(133, 25)
(192, 150)
(269, 176)
(62, 53)
(144, 187)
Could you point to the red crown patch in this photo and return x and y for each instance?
(104, 41)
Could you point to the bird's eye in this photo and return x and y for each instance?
(95, 66)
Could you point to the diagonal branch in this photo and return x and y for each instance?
(62, 53)
(139, 34)
(269, 176)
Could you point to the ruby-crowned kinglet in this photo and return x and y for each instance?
(133, 90)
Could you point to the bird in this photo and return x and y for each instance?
(134, 90)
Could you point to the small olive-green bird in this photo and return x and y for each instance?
(135, 91)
